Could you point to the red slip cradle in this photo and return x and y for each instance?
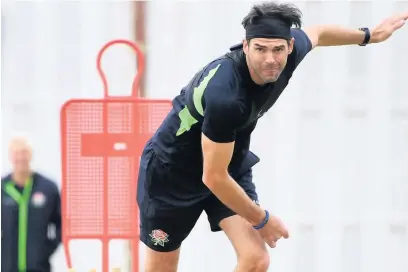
(102, 141)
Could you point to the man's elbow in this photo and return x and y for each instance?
(212, 178)
(314, 34)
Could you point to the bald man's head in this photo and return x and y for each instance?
(20, 154)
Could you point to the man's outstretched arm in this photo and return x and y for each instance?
(332, 35)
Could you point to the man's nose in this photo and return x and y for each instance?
(270, 58)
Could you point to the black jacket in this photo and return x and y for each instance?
(43, 210)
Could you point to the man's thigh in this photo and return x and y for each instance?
(164, 228)
(217, 211)
(164, 222)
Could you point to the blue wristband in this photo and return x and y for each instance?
(263, 223)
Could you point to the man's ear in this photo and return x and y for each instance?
(291, 45)
(245, 46)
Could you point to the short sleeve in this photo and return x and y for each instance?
(223, 110)
(221, 120)
(303, 45)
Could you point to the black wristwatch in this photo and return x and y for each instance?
(367, 36)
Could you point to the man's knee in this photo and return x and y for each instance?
(257, 261)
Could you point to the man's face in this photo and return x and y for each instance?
(20, 157)
(267, 58)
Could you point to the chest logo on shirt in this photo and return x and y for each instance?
(38, 199)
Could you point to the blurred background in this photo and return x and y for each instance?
(336, 164)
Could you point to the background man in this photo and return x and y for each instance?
(30, 203)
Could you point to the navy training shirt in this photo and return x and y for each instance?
(226, 107)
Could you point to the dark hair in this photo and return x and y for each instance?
(288, 13)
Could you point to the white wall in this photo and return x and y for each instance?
(335, 163)
(48, 57)
(336, 166)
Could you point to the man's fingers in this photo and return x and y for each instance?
(404, 16)
(285, 233)
(401, 23)
(271, 244)
(400, 17)
(397, 25)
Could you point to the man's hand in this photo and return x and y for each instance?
(384, 30)
(273, 231)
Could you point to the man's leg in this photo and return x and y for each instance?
(249, 247)
(163, 236)
(164, 223)
(161, 261)
(251, 251)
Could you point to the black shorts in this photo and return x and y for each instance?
(168, 212)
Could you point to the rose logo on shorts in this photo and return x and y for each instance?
(159, 237)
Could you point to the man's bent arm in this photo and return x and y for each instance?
(217, 157)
